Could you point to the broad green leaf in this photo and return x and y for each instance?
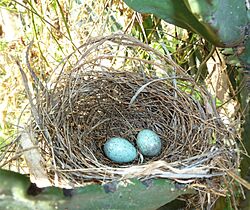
(132, 195)
(222, 22)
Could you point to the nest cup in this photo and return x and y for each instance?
(105, 89)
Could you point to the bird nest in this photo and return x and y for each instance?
(115, 86)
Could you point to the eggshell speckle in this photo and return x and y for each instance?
(120, 150)
(148, 142)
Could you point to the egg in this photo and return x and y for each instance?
(120, 150)
(148, 142)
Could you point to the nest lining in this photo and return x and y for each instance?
(99, 107)
(110, 92)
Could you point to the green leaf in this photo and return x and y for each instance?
(221, 22)
(117, 195)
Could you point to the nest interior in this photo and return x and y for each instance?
(106, 91)
(95, 106)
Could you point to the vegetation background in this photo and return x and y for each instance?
(58, 27)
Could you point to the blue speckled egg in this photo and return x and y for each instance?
(120, 150)
(148, 142)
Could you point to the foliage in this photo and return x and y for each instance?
(133, 195)
(206, 18)
(58, 28)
